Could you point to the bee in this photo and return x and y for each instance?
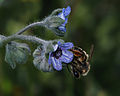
(80, 64)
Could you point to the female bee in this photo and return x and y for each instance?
(80, 63)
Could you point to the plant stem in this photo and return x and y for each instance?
(30, 26)
(32, 39)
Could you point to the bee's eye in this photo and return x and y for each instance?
(76, 74)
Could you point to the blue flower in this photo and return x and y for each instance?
(57, 20)
(64, 15)
(60, 54)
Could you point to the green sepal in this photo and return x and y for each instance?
(16, 53)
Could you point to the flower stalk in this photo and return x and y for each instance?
(30, 26)
(32, 39)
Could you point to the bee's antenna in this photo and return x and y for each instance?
(91, 52)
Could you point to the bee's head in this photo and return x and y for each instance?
(76, 73)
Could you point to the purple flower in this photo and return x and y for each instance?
(64, 15)
(60, 54)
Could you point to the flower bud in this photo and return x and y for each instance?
(53, 23)
(1, 39)
(40, 61)
(57, 21)
(16, 53)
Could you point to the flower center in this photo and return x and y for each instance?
(57, 53)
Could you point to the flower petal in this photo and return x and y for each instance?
(56, 63)
(66, 57)
(63, 10)
(59, 43)
(66, 19)
(62, 28)
(55, 47)
(66, 46)
(49, 60)
(61, 15)
(67, 11)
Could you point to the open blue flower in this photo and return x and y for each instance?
(60, 54)
(64, 15)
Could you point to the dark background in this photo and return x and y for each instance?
(91, 22)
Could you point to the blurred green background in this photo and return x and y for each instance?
(91, 22)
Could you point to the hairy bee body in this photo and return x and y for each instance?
(80, 63)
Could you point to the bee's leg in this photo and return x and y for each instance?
(68, 68)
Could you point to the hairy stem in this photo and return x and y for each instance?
(30, 26)
(55, 12)
(32, 39)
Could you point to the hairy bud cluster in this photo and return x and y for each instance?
(16, 53)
